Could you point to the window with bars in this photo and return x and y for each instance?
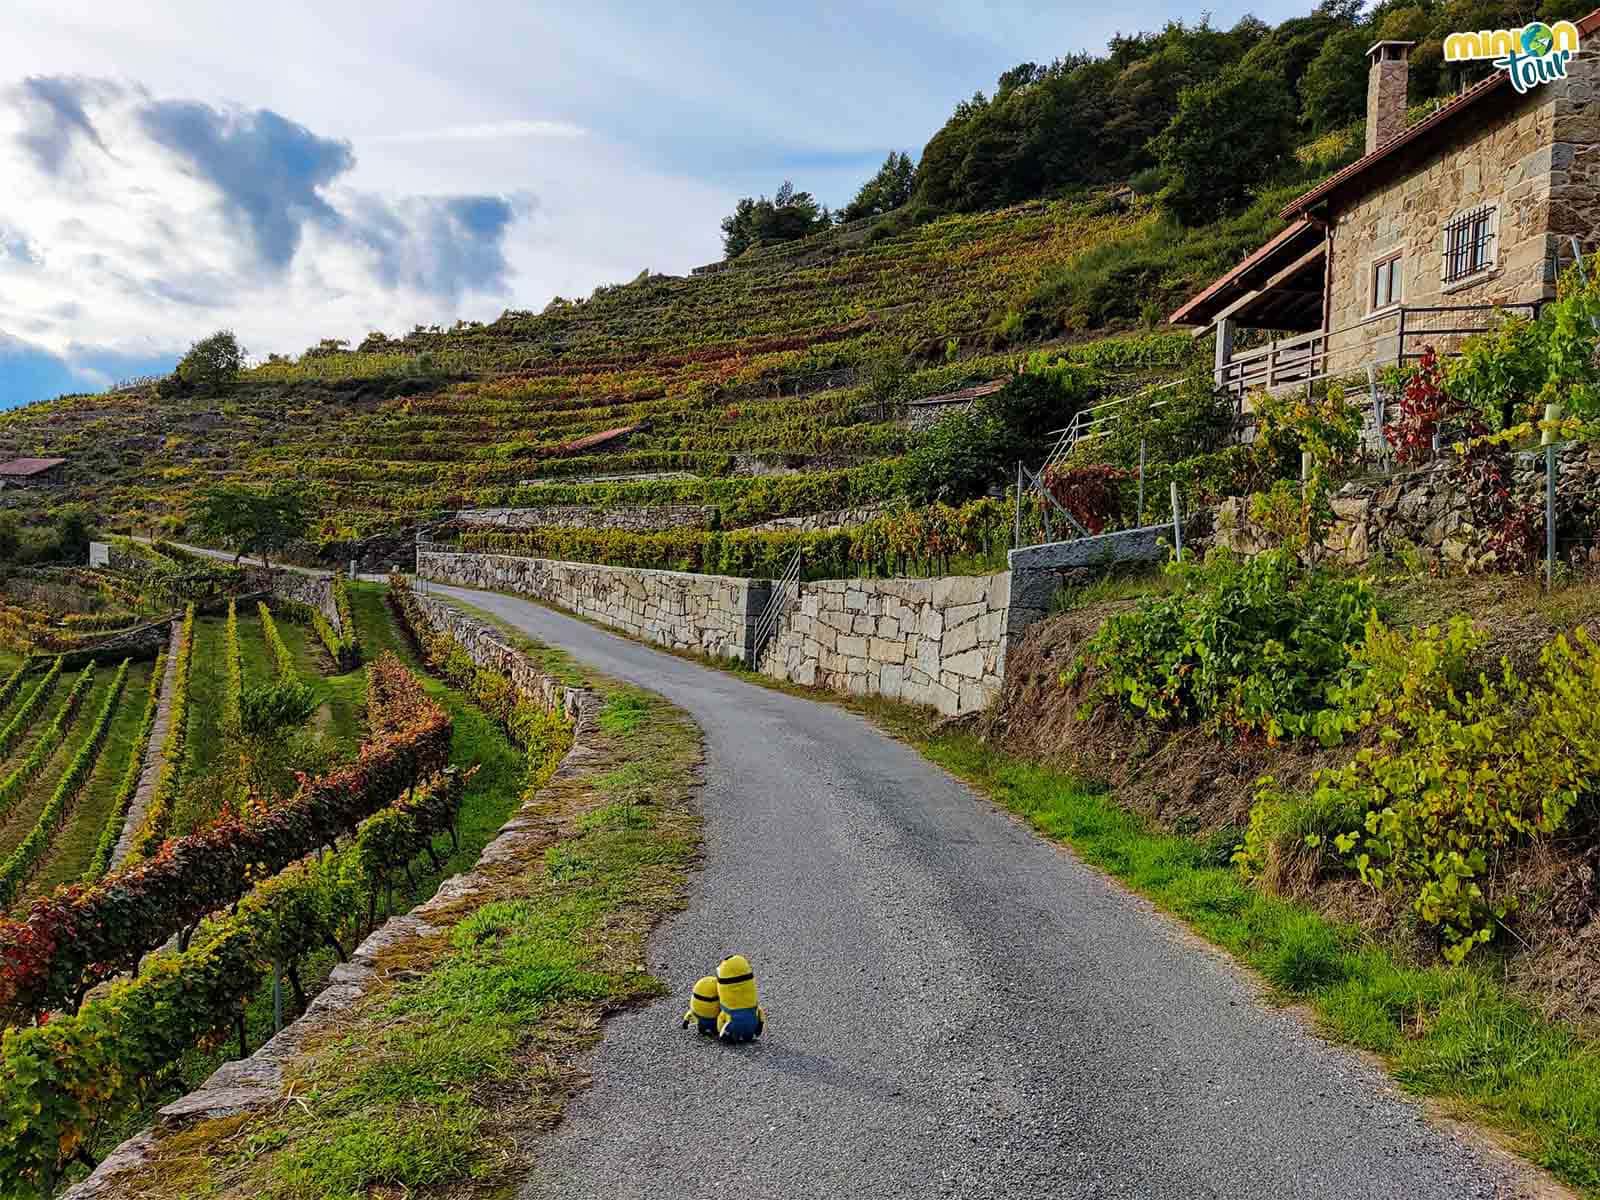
(1386, 285)
(1469, 242)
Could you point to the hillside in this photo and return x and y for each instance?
(722, 376)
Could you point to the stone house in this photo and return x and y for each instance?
(1437, 230)
(33, 472)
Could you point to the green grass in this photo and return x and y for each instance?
(341, 697)
(75, 845)
(198, 798)
(1453, 1034)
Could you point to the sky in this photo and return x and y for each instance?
(302, 170)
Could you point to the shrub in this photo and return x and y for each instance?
(1461, 778)
(1247, 645)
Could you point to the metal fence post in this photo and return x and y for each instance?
(1141, 481)
(1016, 538)
(1177, 524)
(1550, 516)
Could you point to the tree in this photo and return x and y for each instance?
(1333, 90)
(250, 520)
(788, 216)
(212, 362)
(1230, 134)
(886, 191)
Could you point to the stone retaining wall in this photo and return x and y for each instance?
(302, 587)
(939, 642)
(634, 518)
(827, 522)
(1425, 511)
(486, 646)
(712, 614)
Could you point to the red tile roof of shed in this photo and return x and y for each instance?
(29, 466)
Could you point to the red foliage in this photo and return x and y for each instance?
(78, 935)
(1090, 494)
(1423, 406)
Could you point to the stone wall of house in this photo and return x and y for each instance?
(1425, 512)
(939, 642)
(1513, 159)
(712, 614)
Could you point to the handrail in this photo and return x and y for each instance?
(777, 605)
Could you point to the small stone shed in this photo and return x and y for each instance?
(33, 472)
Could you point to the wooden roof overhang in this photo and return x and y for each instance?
(1280, 286)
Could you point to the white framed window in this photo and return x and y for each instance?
(1387, 289)
(1471, 243)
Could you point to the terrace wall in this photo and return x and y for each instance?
(712, 614)
(939, 642)
(635, 518)
(314, 591)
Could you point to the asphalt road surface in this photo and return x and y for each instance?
(957, 1007)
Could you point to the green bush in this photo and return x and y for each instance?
(1241, 645)
(1462, 778)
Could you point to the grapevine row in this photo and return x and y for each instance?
(48, 742)
(111, 833)
(78, 935)
(281, 655)
(169, 775)
(64, 1080)
(23, 717)
(12, 685)
(15, 871)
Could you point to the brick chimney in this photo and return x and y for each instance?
(1386, 91)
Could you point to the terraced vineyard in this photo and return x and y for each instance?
(756, 391)
(60, 777)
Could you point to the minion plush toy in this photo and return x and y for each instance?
(703, 1006)
(741, 1018)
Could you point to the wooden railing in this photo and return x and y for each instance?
(1390, 339)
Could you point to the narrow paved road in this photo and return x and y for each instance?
(958, 1008)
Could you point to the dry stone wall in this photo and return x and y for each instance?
(712, 614)
(1425, 511)
(939, 642)
(634, 518)
(487, 647)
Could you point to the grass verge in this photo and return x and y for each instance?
(440, 1077)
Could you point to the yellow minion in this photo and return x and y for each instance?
(741, 1017)
(703, 1008)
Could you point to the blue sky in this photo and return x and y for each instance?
(172, 169)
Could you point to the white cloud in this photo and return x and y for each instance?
(489, 132)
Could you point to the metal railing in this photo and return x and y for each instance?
(1090, 423)
(767, 624)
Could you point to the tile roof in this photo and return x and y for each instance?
(29, 466)
(1495, 84)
